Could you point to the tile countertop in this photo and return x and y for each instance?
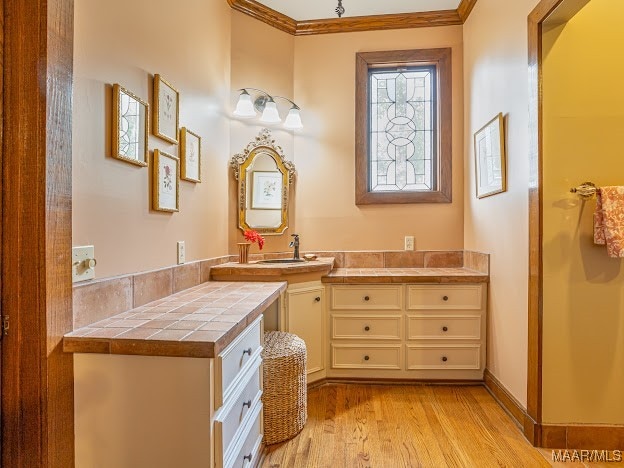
(197, 322)
(322, 265)
(405, 275)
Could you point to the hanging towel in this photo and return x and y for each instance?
(609, 220)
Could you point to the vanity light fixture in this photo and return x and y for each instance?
(270, 113)
(246, 108)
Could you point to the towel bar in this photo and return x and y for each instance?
(586, 190)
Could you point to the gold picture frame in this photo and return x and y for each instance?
(490, 158)
(190, 155)
(130, 127)
(166, 185)
(166, 110)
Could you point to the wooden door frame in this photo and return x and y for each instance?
(37, 420)
(533, 422)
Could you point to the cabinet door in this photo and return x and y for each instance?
(306, 319)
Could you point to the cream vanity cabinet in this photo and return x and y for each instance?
(304, 315)
(410, 331)
(157, 411)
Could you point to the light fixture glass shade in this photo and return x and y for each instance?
(244, 107)
(270, 113)
(293, 119)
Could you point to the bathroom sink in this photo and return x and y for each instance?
(283, 260)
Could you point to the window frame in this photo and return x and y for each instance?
(441, 59)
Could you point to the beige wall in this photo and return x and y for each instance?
(583, 364)
(327, 217)
(496, 80)
(262, 57)
(127, 42)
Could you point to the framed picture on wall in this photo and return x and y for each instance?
(130, 127)
(490, 161)
(266, 190)
(166, 182)
(190, 155)
(166, 110)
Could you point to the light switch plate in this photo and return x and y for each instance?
(83, 263)
(409, 242)
(181, 253)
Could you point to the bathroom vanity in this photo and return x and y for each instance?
(408, 323)
(407, 331)
(176, 382)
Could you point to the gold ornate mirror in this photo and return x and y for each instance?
(264, 176)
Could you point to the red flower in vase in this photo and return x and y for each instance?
(253, 237)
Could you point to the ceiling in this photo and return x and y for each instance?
(301, 10)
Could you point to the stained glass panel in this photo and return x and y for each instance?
(130, 127)
(402, 141)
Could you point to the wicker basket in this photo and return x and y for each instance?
(285, 395)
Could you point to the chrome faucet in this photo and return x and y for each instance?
(295, 243)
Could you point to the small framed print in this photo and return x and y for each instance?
(166, 183)
(490, 162)
(266, 190)
(130, 127)
(190, 155)
(166, 110)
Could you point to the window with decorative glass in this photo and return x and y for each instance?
(403, 127)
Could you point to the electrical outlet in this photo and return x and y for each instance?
(83, 263)
(409, 242)
(181, 253)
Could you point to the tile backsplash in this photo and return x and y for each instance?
(100, 299)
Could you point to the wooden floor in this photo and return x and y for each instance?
(405, 426)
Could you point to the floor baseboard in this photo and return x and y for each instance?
(582, 436)
(555, 436)
(505, 399)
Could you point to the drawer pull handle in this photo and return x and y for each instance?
(445, 298)
(247, 351)
(444, 359)
(317, 299)
(444, 329)
(247, 403)
(366, 328)
(366, 298)
(366, 358)
(248, 457)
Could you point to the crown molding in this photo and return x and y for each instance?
(465, 8)
(424, 19)
(265, 14)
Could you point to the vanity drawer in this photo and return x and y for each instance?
(366, 356)
(236, 358)
(371, 327)
(444, 297)
(444, 327)
(235, 412)
(366, 297)
(443, 357)
(247, 448)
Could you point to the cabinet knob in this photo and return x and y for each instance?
(444, 359)
(248, 457)
(366, 358)
(247, 351)
(445, 329)
(366, 298)
(366, 328)
(317, 299)
(247, 403)
(445, 298)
